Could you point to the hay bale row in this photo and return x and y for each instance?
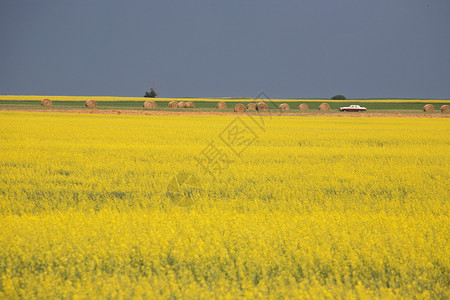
(88, 103)
(430, 108)
(181, 104)
(190, 104)
(240, 108)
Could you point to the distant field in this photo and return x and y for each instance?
(203, 105)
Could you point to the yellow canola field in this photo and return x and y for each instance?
(112, 98)
(292, 207)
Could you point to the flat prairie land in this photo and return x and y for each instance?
(133, 105)
(281, 206)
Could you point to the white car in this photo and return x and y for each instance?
(352, 108)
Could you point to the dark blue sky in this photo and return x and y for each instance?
(233, 48)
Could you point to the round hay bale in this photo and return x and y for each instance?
(445, 108)
(173, 104)
(324, 106)
(189, 104)
(428, 108)
(90, 103)
(239, 108)
(303, 106)
(46, 102)
(262, 106)
(251, 106)
(221, 105)
(181, 104)
(284, 106)
(149, 104)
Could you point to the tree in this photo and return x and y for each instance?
(338, 97)
(151, 94)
